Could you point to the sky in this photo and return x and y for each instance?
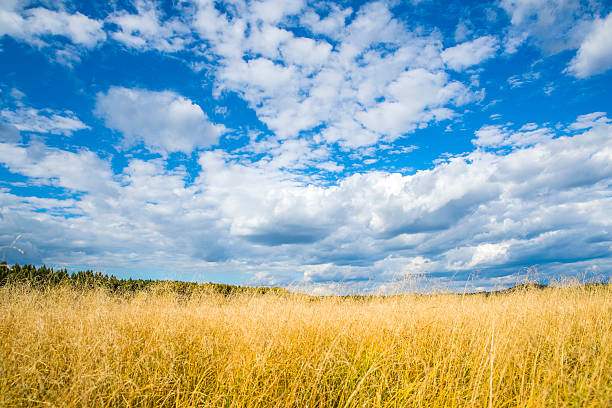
(337, 146)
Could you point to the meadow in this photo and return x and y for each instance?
(64, 346)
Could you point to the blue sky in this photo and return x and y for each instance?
(342, 146)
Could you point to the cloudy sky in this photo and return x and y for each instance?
(337, 145)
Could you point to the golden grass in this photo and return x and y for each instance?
(62, 347)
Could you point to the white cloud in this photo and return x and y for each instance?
(32, 25)
(491, 135)
(552, 25)
(305, 51)
(48, 29)
(462, 31)
(266, 40)
(294, 83)
(146, 30)
(595, 53)
(545, 203)
(354, 90)
(9, 133)
(495, 136)
(590, 120)
(517, 81)
(331, 25)
(470, 53)
(109, 224)
(29, 119)
(264, 76)
(83, 171)
(468, 257)
(165, 121)
(556, 26)
(17, 95)
(403, 112)
(526, 194)
(273, 11)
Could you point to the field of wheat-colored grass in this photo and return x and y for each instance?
(534, 348)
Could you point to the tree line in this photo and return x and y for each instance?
(43, 276)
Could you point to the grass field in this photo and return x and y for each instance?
(529, 348)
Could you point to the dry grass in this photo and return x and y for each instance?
(533, 348)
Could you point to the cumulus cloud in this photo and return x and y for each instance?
(66, 35)
(495, 136)
(83, 171)
(595, 53)
(543, 202)
(558, 26)
(339, 78)
(114, 217)
(554, 26)
(402, 112)
(273, 11)
(164, 121)
(331, 25)
(329, 83)
(148, 30)
(43, 121)
(34, 24)
(590, 120)
(343, 89)
(9, 133)
(354, 90)
(470, 53)
(263, 75)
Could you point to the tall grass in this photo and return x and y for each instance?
(530, 348)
